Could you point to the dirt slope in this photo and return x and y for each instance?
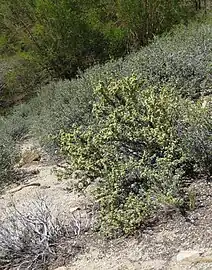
(174, 242)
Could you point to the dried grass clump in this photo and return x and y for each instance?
(38, 238)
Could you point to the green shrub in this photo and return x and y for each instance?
(23, 80)
(133, 145)
(125, 114)
(20, 81)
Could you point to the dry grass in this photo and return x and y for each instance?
(37, 238)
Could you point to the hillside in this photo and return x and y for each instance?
(171, 241)
(112, 169)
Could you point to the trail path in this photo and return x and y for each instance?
(41, 181)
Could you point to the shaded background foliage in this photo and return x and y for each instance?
(63, 36)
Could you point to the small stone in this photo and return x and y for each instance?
(187, 255)
(74, 209)
(61, 268)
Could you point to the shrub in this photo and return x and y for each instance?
(126, 114)
(34, 239)
(13, 129)
(8, 154)
(6, 161)
(133, 145)
(181, 58)
(20, 81)
(23, 81)
(57, 107)
(196, 132)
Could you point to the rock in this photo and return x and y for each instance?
(191, 259)
(62, 268)
(74, 209)
(187, 255)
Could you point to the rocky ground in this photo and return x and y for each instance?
(175, 241)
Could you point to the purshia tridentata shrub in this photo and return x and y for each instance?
(127, 121)
(136, 146)
(133, 146)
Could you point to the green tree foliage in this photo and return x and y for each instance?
(65, 35)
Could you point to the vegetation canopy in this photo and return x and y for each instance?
(139, 127)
